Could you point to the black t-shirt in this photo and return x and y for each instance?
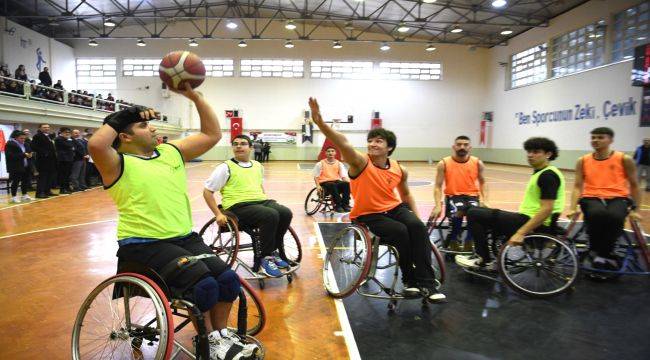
(645, 156)
(548, 182)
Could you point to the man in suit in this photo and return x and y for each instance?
(45, 161)
(65, 148)
(17, 154)
(78, 173)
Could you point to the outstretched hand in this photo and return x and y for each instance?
(315, 110)
(188, 92)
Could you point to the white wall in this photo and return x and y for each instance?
(594, 87)
(63, 64)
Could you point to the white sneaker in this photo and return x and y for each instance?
(15, 200)
(225, 349)
(26, 197)
(468, 261)
(249, 350)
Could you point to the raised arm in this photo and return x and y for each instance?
(481, 183)
(197, 144)
(635, 191)
(356, 160)
(437, 190)
(405, 192)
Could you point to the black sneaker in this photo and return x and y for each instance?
(339, 209)
(431, 293)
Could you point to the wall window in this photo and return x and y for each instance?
(631, 29)
(528, 66)
(578, 50)
(219, 67)
(271, 68)
(325, 69)
(140, 67)
(96, 74)
(410, 71)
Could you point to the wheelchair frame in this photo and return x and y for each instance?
(326, 202)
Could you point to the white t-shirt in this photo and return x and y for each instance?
(343, 171)
(221, 174)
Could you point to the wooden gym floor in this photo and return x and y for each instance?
(55, 251)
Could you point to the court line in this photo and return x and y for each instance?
(346, 328)
(35, 200)
(57, 228)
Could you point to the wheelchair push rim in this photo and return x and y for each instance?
(542, 266)
(312, 202)
(255, 311)
(137, 324)
(347, 261)
(224, 241)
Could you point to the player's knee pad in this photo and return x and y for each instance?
(206, 293)
(229, 286)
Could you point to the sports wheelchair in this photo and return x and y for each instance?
(239, 246)
(357, 260)
(317, 200)
(131, 316)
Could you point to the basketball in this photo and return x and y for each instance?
(179, 67)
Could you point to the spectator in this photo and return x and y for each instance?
(78, 172)
(30, 160)
(59, 85)
(257, 149)
(165, 139)
(642, 158)
(266, 150)
(65, 148)
(45, 78)
(45, 161)
(20, 73)
(92, 175)
(4, 71)
(17, 155)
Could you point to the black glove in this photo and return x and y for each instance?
(119, 120)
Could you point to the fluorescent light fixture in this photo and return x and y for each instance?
(506, 31)
(430, 47)
(288, 44)
(403, 28)
(290, 25)
(384, 47)
(231, 25)
(499, 3)
(456, 29)
(141, 42)
(93, 43)
(337, 45)
(242, 44)
(193, 43)
(429, 1)
(109, 22)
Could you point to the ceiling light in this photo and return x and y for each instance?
(193, 43)
(242, 44)
(499, 3)
(349, 25)
(288, 44)
(506, 31)
(384, 47)
(290, 25)
(430, 47)
(231, 25)
(337, 45)
(92, 42)
(456, 29)
(428, 1)
(141, 42)
(109, 22)
(403, 28)
(641, 38)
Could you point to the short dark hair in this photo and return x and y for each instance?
(127, 130)
(16, 133)
(602, 131)
(64, 129)
(462, 137)
(544, 144)
(43, 124)
(248, 139)
(387, 135)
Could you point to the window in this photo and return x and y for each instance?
(578, 50)
(96, 74)
(631, 29)
(325, 69)
(272, 68)
(410, 71)
(528, 66)
(219, 67)
(140, 67)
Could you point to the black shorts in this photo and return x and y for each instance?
(456, 203)
(157, 254)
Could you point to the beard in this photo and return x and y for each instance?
(462, 153)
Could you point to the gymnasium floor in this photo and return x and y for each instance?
(56, 250)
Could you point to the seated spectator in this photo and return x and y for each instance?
(58, 85)
(20, 73)
(44, 77)
(4, 71)
(15, 87)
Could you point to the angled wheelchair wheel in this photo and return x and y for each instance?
(248, 316)
(125, 317)
(347, 261)
(542, 266)
(291, 249)
(438, 264)
(312, 202)
(224, 240)
(643, 252)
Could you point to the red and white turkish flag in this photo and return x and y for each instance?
(236, 127)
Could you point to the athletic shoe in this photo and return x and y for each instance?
(431, 293)
(339, 209)
(41, 196)
(248, 349)
(269, 268)
(15, 199)
(475, 262)
(26, 197)
(410, 290)
(279, 262)
(468, 246)
(455, 246)
(222, 349)
(51, 194)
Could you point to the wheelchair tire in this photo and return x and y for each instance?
(291, 249)
(439, 265)
(223, 241)
(255, 312)
(104, 321)
(313, 202)
(542, 267)
(352, 246)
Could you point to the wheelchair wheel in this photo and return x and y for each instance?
(312, 202)
(644, 252)
(118, 315)
(435, 230)
(542, 267)
(438, 264)
(224, 240)
(347, 261)
(254, 313)
(291, 249)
